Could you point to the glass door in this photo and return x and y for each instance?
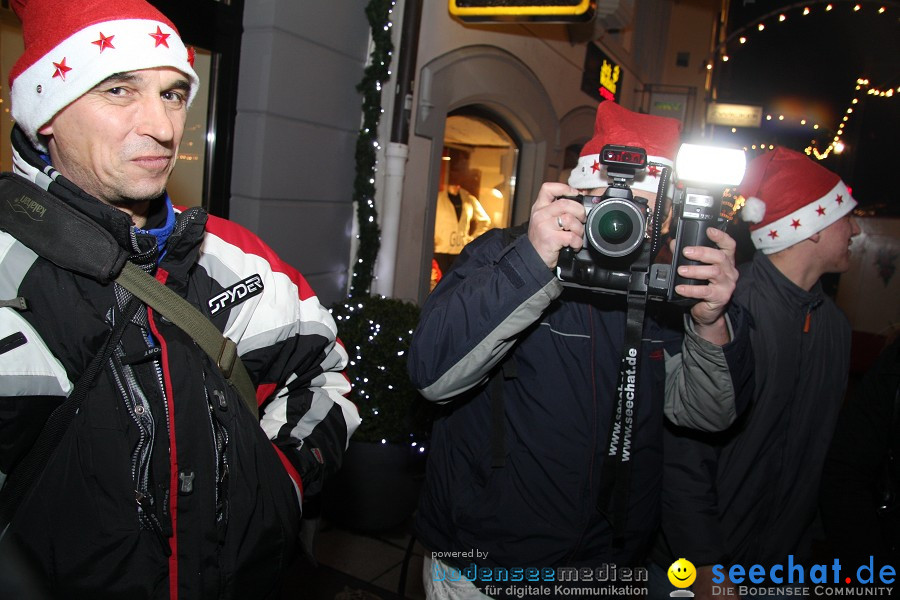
(477, 185)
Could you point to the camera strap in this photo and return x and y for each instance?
(615, 474)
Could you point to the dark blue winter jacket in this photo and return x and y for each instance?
(501, 303)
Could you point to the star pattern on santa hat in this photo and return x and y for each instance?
(595, 167)
(104, 42)
(160, 37)
(800, 203)
(653, 170)
(61, 69)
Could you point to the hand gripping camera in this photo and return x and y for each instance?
(619, 248)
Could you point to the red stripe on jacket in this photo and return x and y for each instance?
(162, 275)
(249, 242)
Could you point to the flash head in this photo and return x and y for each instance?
(712, 165)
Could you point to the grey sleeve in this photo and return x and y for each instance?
(699, 388)
(474, 367)
(472, 320)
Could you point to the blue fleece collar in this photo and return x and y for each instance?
(162, 233)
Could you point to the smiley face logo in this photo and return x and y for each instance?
(682, 573)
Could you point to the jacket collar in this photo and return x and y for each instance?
(145, 245)
(768, 275)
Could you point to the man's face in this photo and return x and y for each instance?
(833, 248)
(119, 141)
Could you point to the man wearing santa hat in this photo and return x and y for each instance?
(163, 482)
(748, 496)
(519, 468)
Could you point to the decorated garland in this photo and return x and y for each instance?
(375, 74)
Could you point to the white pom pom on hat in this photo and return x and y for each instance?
(754, 210)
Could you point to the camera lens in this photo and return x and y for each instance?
(615, 227)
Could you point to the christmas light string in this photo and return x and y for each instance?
(836, 145)
(784, 14)
(781, 15)
(376, 331)
(376, 73)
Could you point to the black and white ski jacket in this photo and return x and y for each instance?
(165, 485)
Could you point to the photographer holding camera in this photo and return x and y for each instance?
(550, 453)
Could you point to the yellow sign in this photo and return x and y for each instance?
(609, 76)
(522, 10)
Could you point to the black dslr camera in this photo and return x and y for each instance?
(618, 252)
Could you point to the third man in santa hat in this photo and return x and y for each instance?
(749, 497)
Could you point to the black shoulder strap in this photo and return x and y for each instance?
(220, 348)
(39, 220)
(42, 222)
(506, 370)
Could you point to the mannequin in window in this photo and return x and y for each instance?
(459, 218)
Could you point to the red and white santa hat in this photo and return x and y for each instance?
(72, 45)
(789, 197)
(659, 136)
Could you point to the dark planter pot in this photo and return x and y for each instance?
(377, 488)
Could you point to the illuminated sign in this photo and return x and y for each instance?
(609, 80)
(602, 77)
(734, 115)
(480, 11)
(674, 104)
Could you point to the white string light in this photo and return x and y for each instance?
(742, 36)
(836, 145)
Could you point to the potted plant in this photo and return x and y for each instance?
(378, 485)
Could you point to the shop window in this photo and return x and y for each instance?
(186, 182)
(11, 47)
(477, 186)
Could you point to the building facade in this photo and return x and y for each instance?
(272, 145)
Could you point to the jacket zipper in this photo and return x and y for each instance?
(162, 373)
(139, 410)
(220, 457)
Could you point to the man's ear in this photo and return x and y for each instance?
(47, 129)
(814, 238)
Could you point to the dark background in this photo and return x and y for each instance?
(807, 67)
